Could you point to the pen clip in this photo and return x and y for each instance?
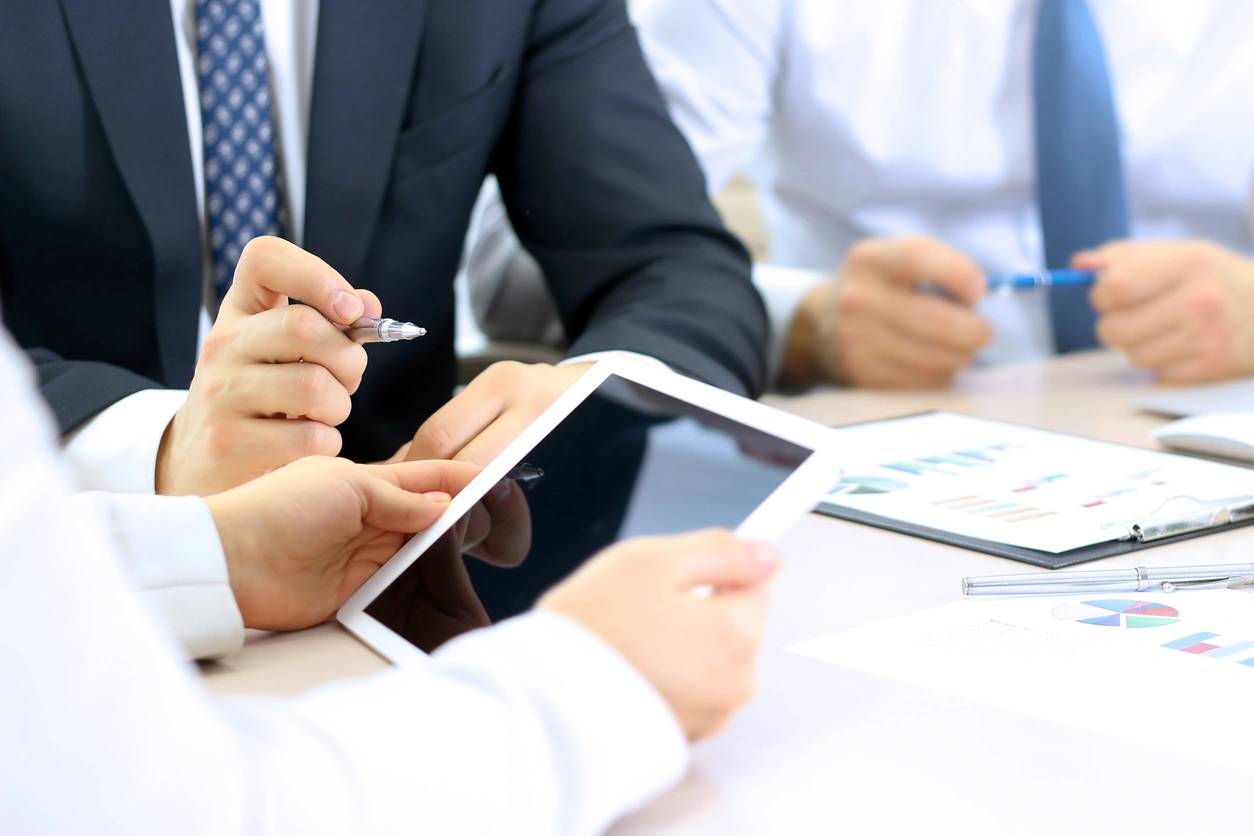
(1206, 583)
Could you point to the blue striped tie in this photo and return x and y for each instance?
(1079, 173)
(243, 181)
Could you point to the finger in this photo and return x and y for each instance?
(929, 319)
(291, 390)
(507, 538)
(296, 333)
(271, 270)
(423, 476)
(392, 508)
(928, 358)
(1161, 351)
(1138, 273)
(1130, 326)
(1199, 369)
(910, 262)
(494, 438)
(269, 443)
(717, 559)
(454, 425)
(1100, 258)
(371, 306)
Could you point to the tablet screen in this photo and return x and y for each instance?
(627, 461)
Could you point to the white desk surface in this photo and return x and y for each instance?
(829, 750)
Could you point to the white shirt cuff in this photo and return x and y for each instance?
(116, 451)
(614, 735)
(172, 553)
(592, 357)
(783, 289)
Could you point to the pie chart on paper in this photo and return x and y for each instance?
(1118, 612)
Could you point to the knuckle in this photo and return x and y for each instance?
(435, 439)
(914, 248)
(1206, 301)
(851, 299)
(215, 345)
(301, 323)
(1201, 256)
(861, 255)
(212, 386)
(221, 439)
(313, 381)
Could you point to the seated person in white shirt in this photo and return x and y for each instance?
(558, 721)
(894, 145)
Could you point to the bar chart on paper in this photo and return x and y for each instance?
(1018, 485)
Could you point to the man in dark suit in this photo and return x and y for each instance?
(140, 152)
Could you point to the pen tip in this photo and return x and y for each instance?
(410, 331)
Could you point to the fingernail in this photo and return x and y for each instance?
(765, 554)
(347, 306)
(438, 497)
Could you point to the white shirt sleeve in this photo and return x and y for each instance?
(533, 726)
(117, 449)
(719, 85)
(171, 551)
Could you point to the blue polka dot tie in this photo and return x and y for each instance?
(243, 183)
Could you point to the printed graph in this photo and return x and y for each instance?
(1118, 613)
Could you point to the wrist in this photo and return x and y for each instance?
(163, 471)
(799, 365)
(238, 549)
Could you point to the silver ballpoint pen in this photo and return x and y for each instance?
(373, 329)
(1138, 579)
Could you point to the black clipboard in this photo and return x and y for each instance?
(1046, 560)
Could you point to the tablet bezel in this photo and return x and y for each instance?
(790, 501)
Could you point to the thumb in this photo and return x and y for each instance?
(390, 508)
(720, 560)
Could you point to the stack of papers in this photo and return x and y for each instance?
(1172, 671)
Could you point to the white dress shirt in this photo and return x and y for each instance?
(900, 117)
(532, 726)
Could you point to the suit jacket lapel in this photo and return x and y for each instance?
(363, 70)
(126, 49)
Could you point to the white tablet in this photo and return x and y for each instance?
(631, 449)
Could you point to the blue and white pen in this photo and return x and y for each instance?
(1045, 278)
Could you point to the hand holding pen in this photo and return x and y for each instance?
(273, 380)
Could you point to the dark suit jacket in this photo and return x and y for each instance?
(414, 102)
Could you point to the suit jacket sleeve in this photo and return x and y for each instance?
(78, 389)
(606, 194)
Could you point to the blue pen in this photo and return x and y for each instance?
(1046, 278)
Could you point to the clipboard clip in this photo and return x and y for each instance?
(1213, 515)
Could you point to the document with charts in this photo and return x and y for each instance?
(1174, 671)
(1018, 485)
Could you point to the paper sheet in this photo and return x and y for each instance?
(1018, 485)
(1175, 671)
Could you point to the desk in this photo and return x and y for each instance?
(828, 750)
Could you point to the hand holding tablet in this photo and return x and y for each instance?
(630, 450)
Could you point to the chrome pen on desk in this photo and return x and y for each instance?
(374, 329)
(1137, 579)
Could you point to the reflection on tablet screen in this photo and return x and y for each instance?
(628, 461)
